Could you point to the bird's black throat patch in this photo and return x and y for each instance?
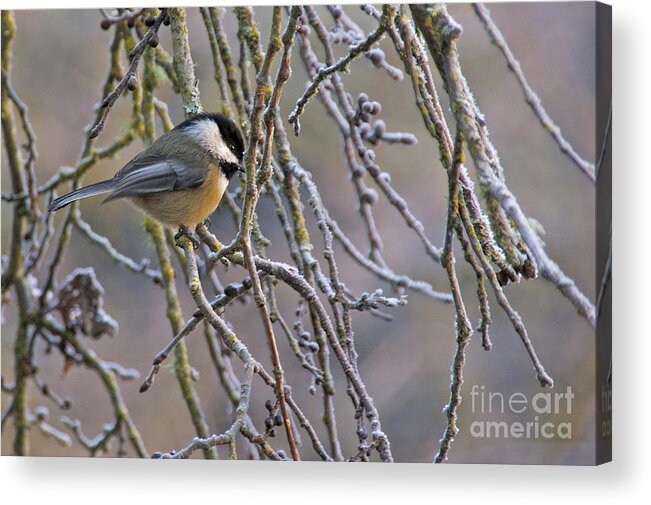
(229, 169)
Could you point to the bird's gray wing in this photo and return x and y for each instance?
(152, 175)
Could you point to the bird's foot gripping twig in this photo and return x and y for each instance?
(184, 232)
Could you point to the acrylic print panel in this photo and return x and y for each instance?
(400, 268)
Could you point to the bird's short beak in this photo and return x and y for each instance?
(241, 169)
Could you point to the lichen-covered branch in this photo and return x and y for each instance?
(440, 32)
(462, 324)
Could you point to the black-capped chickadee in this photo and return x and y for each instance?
(180, 179)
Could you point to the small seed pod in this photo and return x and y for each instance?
(269, 405)
(369, 196)
(131, 21)
(278, 420)
(502, 278)
(367, 107)
(357, 171)
(167, 21)
(376, 56)
(379, 128)
(105, 24)
(132, 83)
(230, 290)
(42, 413)
(149, 20)
(529, 269)
(269, 423)
(364, 129)
(153, 41)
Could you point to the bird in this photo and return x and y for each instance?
(180, 178)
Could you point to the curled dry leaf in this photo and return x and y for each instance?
(81, 305)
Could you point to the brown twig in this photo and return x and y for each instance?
(150, 38)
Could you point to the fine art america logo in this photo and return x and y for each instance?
(543, 415)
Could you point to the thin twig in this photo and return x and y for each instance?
(461, 323)
(339, 66)
(532, 99)
(111, 98)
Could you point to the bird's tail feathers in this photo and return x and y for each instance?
(92, 190)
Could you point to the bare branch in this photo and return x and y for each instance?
(532, 99)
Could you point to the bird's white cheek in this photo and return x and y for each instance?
(208, 134)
